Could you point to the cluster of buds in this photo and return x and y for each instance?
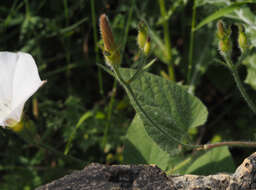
(143, 39)
(111, 51)
(225, 43)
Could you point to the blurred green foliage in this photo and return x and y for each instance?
(63, 37)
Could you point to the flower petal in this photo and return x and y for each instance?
(13, 117)
(26, 81)
(8, 62)
(19, 79)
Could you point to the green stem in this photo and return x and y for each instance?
(65, 3)
(27, 9)
(66, 43)
(69, 66)
(167, 40)
(234, 70)
(127, 28)
(109, 114)
(191, 43)
(242, 90)
(96, 49)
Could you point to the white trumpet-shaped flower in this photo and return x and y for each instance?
(19, 80)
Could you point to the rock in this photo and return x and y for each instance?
(149, 177)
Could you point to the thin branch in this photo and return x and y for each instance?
(228, 143)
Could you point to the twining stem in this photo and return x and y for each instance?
(167, 39)
(66, 43)
(228, 143)
(239, 84)
(191, 42)
(127, 28)
(65, 3)
(27, 9)
(109, 114)
(234, 70)
(96, 49)
(242, 90)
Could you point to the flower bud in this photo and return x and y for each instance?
(106, 33)
(242, 39)
(225, 43)
(225, 46)
(142, 35)
(147, 47)
(220, 30)
(111, 52)
(112, 57)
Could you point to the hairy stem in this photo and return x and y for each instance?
(228, 143)
(239, 84)
(242, 90)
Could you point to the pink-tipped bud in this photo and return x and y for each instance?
(111, 52)
(106, 33)
(220, 29)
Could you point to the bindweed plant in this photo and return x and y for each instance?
(165, 55)
(167, 111)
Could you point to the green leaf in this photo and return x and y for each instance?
(250, 78)
(166, 109)
(220, 13)
(141, 149)
(211, 162)
(250, 63)
(214, 2)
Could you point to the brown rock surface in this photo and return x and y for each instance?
(146, 177)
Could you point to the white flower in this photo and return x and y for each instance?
(19, 79)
